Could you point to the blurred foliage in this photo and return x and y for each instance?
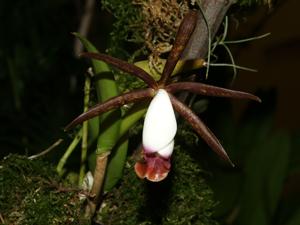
(256, 191)
(31, 193)
(39, 86)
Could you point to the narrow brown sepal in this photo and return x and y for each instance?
(202, 130)
(124, 66)
(183, 35)
(209, 90)
(112, 103)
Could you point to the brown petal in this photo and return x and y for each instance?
(140, 169)
(112, 103)
(200, 128)
(209, 90)
(184, 33)
(124, 66)
(154, 167)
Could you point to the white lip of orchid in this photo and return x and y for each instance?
(160, 125)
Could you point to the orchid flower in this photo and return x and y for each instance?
(160, 123)
(159, 130)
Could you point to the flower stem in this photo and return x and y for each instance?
(68, 152)
(84, 143)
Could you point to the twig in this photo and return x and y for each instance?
(209, 38)
(54, 145)
(99, 174)
(232, 65)
(68, 152)
(84, 144)
(2, 219)
(247, 39)
(223, 42)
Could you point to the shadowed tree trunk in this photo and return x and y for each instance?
(214, 11)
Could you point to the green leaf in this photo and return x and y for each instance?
(136, 112)
(117, 158)
(93, 130)
(265, 171)
(295, 153)
(294, 220)
(109, 123)
(116, 164)
(227, 187)
(106, 88)
(98, 66)
(278, 157)
(109, 131)
(251, 135)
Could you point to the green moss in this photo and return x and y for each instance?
(150, 26)
(142, 29)
(127, 26)
(183, 198)
(30, 193)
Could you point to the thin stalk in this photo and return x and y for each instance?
(232, 61)
(84, 143)
(209, 37)
(224, 35)
(47, 150)
(247, 39)
(222, 41)
(68, 152)
(225, 29)
(232, 65)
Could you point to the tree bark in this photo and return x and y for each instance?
(214, 11)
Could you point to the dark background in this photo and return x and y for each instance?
(275, 57)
